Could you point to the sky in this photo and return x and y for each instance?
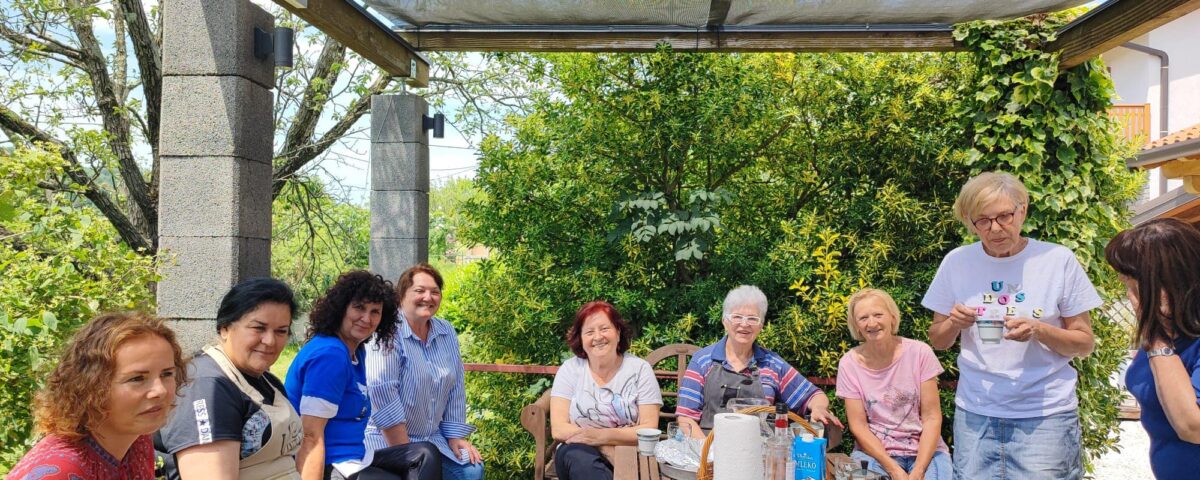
(346, 167)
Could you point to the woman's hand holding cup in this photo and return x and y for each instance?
(1021, 329)
(962, 316)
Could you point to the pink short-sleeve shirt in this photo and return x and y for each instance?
(892, 395)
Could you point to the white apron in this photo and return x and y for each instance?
(276, 459)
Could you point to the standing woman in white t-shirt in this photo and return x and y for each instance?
(601, 397)
(1016, 409)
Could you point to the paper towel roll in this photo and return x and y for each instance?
(737, 447)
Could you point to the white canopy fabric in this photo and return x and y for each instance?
(698, 14)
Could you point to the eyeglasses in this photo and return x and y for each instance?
(1004, 219)
(748, 320)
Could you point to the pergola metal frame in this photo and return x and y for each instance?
(398, 51)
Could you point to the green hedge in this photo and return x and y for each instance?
(659, 181)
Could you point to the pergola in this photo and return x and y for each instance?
(215, 205)
(707, 26)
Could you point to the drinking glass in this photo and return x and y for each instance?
(673, 432)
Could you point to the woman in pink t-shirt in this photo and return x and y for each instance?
(889, 384)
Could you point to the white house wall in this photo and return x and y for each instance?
(1136, 79)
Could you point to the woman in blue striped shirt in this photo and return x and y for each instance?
(416, 386)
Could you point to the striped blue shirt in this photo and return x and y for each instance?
(419, 384)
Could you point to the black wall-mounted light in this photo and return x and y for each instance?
(277, 44)
(437, 122)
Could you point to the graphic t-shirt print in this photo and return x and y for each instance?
(889, 410)
(1002, 300)
(608, 407)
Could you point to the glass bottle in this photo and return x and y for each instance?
(777, 451)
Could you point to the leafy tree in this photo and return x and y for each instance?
(62, 264)
(447, 217)
(97, 100)
(315, 237)
(659, 181)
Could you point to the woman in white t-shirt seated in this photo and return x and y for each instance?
(1016, 406)
(890, 387)
(601, 397)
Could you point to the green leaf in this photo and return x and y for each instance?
(50, 321)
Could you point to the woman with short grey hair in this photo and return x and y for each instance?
(737, 367)
(1016, 406)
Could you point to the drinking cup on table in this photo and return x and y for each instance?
(647, 439)
(673, 431)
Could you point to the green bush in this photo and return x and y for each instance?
(659, 181)
(62, 264)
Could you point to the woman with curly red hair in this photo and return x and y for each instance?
(115, 385)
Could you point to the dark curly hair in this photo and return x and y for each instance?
(354, 286)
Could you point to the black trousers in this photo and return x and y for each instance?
(411, 461)
(576, 461)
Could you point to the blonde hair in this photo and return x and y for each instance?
(983, 189)
(888, 303)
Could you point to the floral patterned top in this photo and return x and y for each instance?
(56, 458)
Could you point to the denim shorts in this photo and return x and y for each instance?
(1017, 448)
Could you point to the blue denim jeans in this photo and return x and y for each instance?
(1017, 448)
(451, 470)
(940, 467)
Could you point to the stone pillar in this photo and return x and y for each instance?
(215, 148)
(399, 184)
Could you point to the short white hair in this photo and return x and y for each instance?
(745, 295)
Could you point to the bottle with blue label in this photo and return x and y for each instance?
(809, 454)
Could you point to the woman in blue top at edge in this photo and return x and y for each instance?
(327, 384)
(416, 380)
(1159, 263)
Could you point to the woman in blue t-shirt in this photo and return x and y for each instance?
(327, 384)
(1159, 263)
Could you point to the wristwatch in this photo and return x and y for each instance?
(1158, 352)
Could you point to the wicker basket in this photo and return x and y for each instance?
(706, 467)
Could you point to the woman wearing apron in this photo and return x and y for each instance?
(737, 367)
(235, 421)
